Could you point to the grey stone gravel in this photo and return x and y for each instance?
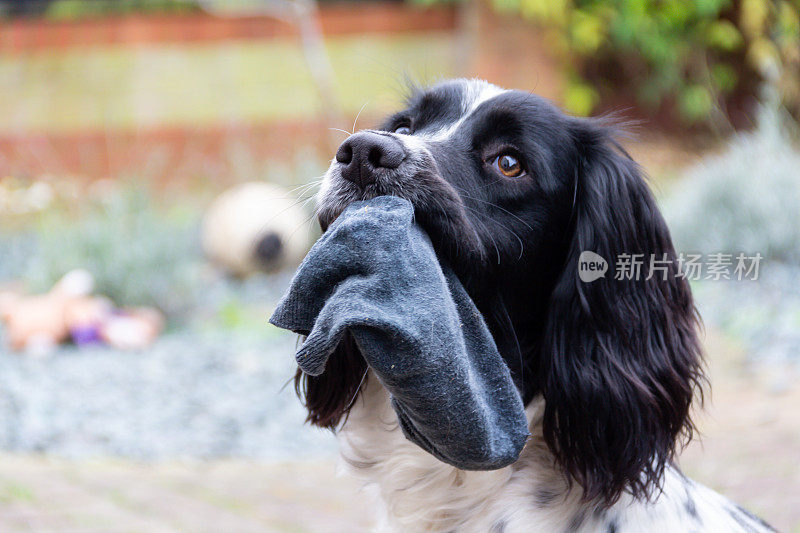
(763, 315)
(190, 395)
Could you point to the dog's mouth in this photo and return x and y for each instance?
(438, 208)
(339, 193)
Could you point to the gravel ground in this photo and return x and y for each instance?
(762, 316)
(190, 395)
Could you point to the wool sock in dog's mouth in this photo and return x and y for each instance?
(374, 274)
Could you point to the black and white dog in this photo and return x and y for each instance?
(511, 192)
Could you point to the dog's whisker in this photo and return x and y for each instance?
(509, 324)
(305, 224)
(489, 233)
(519, 239)
(292, 205)
(348, 133)
(358, 389)
(314, 182)
(465, 195)
(358, 115)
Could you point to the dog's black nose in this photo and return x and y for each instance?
(365, 152)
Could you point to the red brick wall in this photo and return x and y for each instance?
(24, 35)
(505, 50)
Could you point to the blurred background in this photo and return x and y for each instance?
(158, 161)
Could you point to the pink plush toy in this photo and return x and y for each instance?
(38, 324)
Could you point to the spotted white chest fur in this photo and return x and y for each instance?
(415, 492)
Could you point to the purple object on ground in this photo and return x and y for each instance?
(85, 335)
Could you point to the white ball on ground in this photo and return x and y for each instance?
(256, 227)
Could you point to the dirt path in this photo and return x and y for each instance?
(749, 447)
(43, 495)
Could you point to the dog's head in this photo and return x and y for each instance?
(511, 192)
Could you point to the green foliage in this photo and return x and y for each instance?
(76, 9)
(138, 253)
(746, 198)
(695, 55)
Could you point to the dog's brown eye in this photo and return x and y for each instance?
(508, 165)
(403, 130)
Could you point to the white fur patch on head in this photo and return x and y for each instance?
(414, 144)
(476, 92)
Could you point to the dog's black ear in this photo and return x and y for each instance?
(621, 357)
(329, 396)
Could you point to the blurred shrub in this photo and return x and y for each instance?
(73, 9)
(746, 199)
(693, 56)
(138, 253)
